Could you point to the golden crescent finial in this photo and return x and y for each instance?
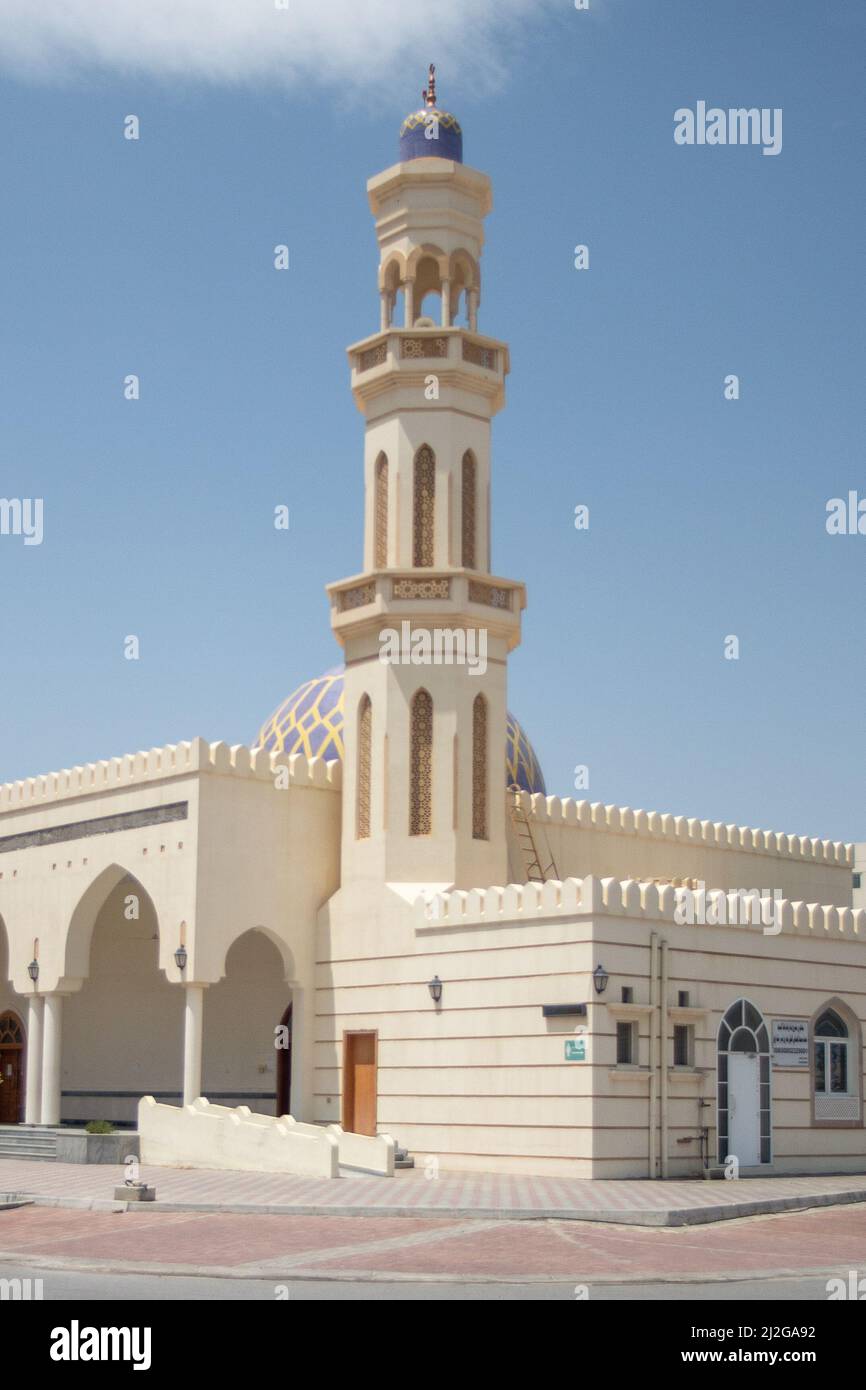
(430, 95)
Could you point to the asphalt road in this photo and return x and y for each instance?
(73, 1286)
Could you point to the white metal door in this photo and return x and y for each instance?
(744, 1108)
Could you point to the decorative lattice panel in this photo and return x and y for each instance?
(479, 768)
(424, 501)
(837, 1108)
(468, 511)
(421, 764)
(381, 513)
(365, 748)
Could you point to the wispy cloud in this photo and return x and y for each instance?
(357, 43)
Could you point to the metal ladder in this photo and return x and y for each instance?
(534, 848)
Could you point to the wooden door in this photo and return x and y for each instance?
(359, 1082)
(11, 1068)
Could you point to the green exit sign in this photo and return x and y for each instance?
(575, 1050)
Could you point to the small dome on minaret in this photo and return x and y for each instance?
(431, 132)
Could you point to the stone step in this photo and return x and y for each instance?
(34, 1156)
(29, 1144)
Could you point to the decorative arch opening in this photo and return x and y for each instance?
(836, 1070)
(743, 1086)
(364, 773)
(82, 924)
(479, 768)
(428, 284)
(423, 508)
(421, 764)
(122, 1031)
(464, 290)
(469, 511)
(247, 1028)
(380, 514)
(390, 288)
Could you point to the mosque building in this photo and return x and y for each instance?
(497, 977)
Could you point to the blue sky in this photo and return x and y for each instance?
(707, 516)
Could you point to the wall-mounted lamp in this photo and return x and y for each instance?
(600, 978)
(180, 955)
(435, 988)
(33, 970)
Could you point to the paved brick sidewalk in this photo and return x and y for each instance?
(337, 1246)
(411, 1193)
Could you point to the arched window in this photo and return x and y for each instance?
(11, 1032)
(424, 501)
(365, 745)
(743, 1075)
(421, 765)
(469, 510)
(380, 507)
(831, 1055)
(835, 1065)
(479, 768)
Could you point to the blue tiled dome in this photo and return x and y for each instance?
(430, 131)
(310, 721)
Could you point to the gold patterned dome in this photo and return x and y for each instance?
(310, 721)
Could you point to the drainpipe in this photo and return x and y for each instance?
(653, 971)
(663, 1059)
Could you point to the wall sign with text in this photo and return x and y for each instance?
(790, 1042)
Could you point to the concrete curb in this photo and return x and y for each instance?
(672, 1217)
(266, 1273)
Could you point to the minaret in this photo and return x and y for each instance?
(424, 784)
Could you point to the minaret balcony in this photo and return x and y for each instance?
(429, 598)
(408, 356)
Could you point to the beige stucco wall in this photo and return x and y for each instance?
(617, 842)
(257, 851)
(478, 1077)
(787, 976)
(482, 1082)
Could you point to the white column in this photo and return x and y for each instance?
(446, 303)
(473, 310)
(409, 304)
(384, 310)
(51, 1033)
(33, 1062)
(192, 1025)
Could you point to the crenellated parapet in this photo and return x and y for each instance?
(521, 903)
(171, 761)
(655, 825)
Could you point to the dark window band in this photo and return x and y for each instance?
(102, 825)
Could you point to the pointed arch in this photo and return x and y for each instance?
(469, 511)
(287, 959)
(423, 507)
(421, 764)
(479, 768)
(836, 1066)
(380, 513)
(364, 773)
(248, 1019)
(88, 908)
